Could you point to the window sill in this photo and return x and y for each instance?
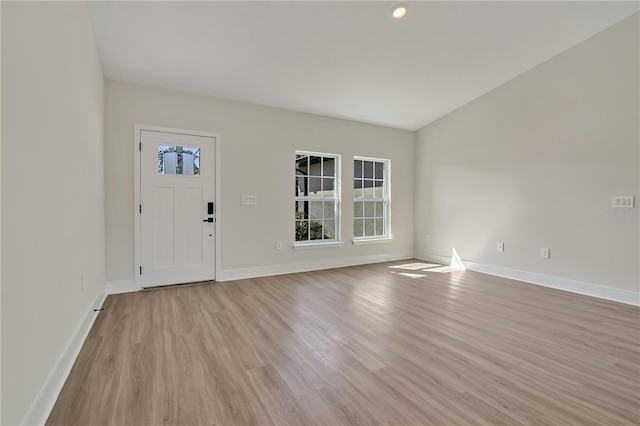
(317, 245)
(372, 241)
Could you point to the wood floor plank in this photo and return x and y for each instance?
(401, 342)
(276, 396)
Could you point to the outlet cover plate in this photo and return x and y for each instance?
(545, 253)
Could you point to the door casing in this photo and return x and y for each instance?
(138, 128)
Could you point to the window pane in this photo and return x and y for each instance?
(178, 160)
(357, 228)
(328, 187)
(369, 210)
(368, 169)
(357, 189)
(329, 166)
(358, 209)
(368, 227)
(357, 169)
(329, 230)
(379, 209)
(315, 210)
(379, 227)
(191, 162)
(315, 187)
(302, 230)
(315, 166)
(378, 189)
(301, 210)
(329, 209)
(367, 192)
(315, 230)
(302, 164)
(379, 170)
(301, 186)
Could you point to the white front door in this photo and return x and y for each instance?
(177, 210)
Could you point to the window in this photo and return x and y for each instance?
(371, 198)
(317, 197)
(178, 160)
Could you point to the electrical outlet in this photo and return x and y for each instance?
(278, 245)
(500, 247)
(545, 253)
(427, 238)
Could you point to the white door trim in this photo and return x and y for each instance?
(138, 128)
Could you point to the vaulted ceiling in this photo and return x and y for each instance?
(341, 59)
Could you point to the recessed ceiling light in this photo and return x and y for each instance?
(399, 10)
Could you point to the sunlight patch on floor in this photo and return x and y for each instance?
(417, 267)
(407, 274)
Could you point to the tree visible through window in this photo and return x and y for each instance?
(371, 198)
(316, 197)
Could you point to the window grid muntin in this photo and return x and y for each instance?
(306, 226)
(371, 171)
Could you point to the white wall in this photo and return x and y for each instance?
(52, 194)
(258, 145)
(534, 164)
(0, 224)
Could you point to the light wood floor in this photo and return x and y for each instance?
(388, 343)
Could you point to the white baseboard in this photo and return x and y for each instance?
(314, 265)
(46, 399)
(573, 286)
(121, 286)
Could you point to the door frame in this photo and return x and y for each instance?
(137, 220)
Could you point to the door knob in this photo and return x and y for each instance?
(210, 220)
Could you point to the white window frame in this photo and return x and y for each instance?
(386, 200)
(335, 242)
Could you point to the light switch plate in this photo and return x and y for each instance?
(249, 199)
(622, 201)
